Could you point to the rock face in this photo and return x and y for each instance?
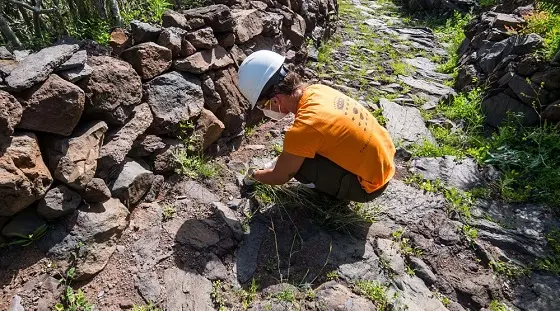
(248, 24)
(10, 115)
(496, 110)
(96, 191)
(55, 107)
(172, 38)
(334, 296)
(58, 202)
(216, 16)
(233, 102)
(461, 174)
(202, 38)
(73, 160)
(148, 59)
(24, 178)
(95, 226)
(174, 98)
(37, 67)
(119, 143)
(144, 32)
(112, 90)
(405, 123)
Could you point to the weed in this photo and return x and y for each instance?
(148, 307)
(470, 233)
(249, 296)
(452, 34)
(378, 114)
(486, 3)
(193, 166)
(404, 245)
(26, 240)
(217, 296)
(287, 294)
(73, 301)
(552, 263)
(375, 292)
(332, 275)
(250, 131)
(506, 269)
(444, 299)
(277, 149)
(545, 21)
(410, 271)
(497, 306)
(168, 212)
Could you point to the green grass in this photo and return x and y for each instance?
(495, 305)
(545, 21)
(324, 210)
(217, 296)
(376, 292)
(287, 295)
(168, 212)
(404, 245)
(552, 263)
(194, 166)
(148, 307)
(506, 269)
(26, 240)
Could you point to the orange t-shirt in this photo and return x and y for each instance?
(340, 129)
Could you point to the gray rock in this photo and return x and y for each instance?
(119, 144)
(416, 296)
(76, 74)
(165, 160)
(77, 60)
(16, 304)
(226, 40)
(461, 174)
(95, 227)
(214, 268)
(195, 233)
(230, 219)
(174, 98)
(496, 110)
(466, 77)
(172, 39)
(148, 59)
(216, 16)
(58, 202)
(552, 112)
(507, 20)
(145, 145)
(148, 286)
(112, 90)
(10, 115)
(422, 270)
(556, 59)
(539, 293)
(202, 38)
(448, 233)
(195, 191)
(5, 54)
(212, 99)
(428, 87)
(20, 55)
(24, 178)
(144, 32)
(550, 79)
(132, 183)
(73, 160)
(528, 92)
(405, 123)
(153, 194)
(95, 191)
(246, 259)
(389, 251)
(38, 66)
(187, 290)
(333, 296)
(489, 58)
(54, 106)
(23, 224)
(173, 19)
(204, 61)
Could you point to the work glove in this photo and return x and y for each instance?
(248, 179)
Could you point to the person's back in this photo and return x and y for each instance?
(340, 129)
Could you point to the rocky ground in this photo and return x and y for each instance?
(210, 244)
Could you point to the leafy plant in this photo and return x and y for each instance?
(470, 233)
(545, 21)
(194, 166)
(148, 307)
(495, 305)
(73, 301)
(168, 212)
(506, 269)
(376, 292)
(552, 263)
(404, 245)
(26, 240)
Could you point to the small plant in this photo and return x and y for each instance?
(248, 296)
(487, 3)
(497, 306)
(470, 233)
(375, 292)
(545, 21)
(444, 299)
(148, 307)
(193, 166)
(552, 263)
(217, 296)
(73, 301)
(332, 275)
(277, 149)
(404, 245)
(26, 240)
(506, 269)
(168, 212)
(410, 271)
(287, 294)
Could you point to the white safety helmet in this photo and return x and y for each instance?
(258, 72)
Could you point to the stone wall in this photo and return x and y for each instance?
(518, 80)
(81, 123)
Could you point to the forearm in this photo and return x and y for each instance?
(269, 177)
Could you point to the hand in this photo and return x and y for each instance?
(248, 179)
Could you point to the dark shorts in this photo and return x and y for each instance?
(333, 180)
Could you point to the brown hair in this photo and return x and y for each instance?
(288, 85)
